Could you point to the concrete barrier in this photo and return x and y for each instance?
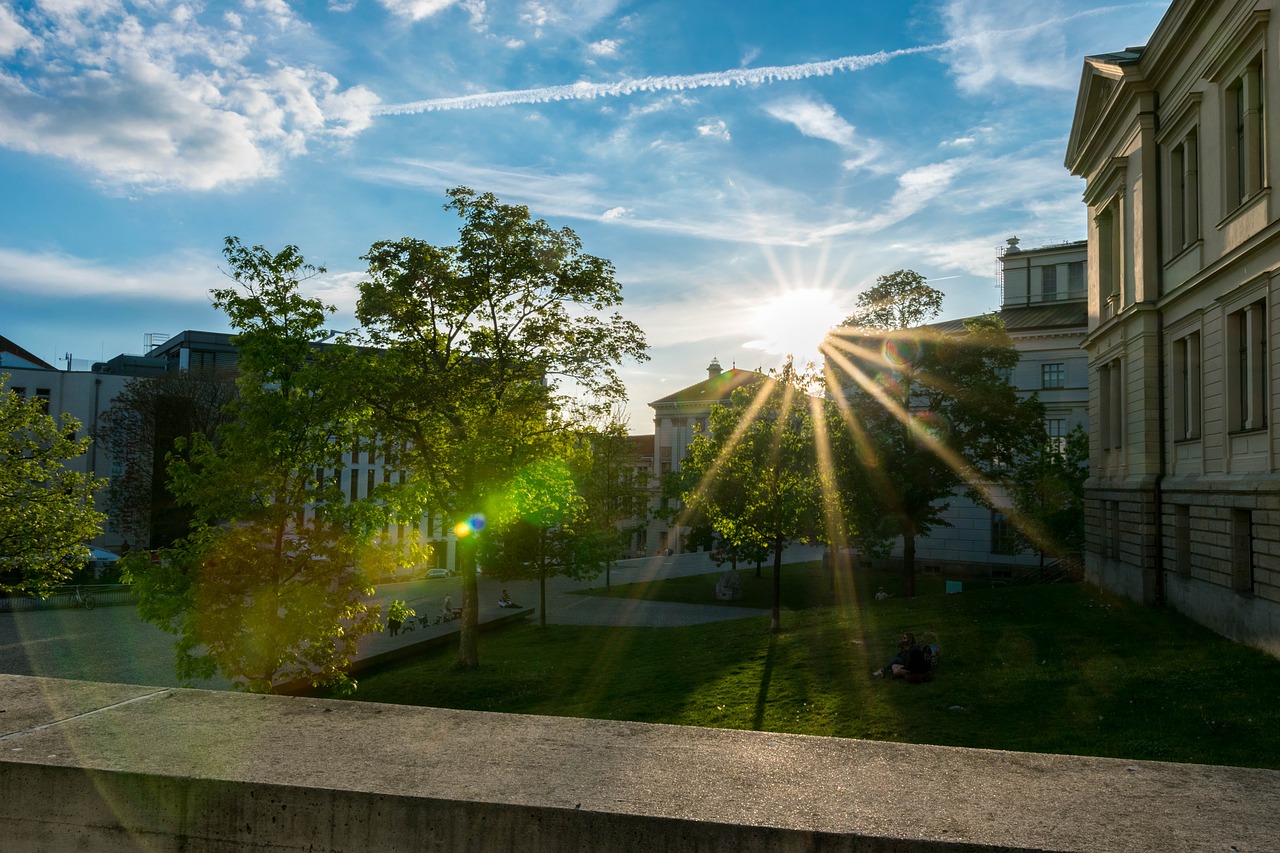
(108, 767)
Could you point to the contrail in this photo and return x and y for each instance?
(738, 77)
(583, 91)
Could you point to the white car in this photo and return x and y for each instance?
(438, 573)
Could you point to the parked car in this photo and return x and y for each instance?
(438, 573)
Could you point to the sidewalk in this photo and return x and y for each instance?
(565, 604)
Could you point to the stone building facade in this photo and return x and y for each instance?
(1178, 142)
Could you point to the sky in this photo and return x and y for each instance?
(748, 167)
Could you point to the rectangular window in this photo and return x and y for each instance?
(1109, 273)
(1056, 430)
(1002, 540)
(1247, 367)
(1184, 193)
(354, 484)
(1110, 404)
(20, 391)
(1075, 279)
(43, 394)
(1242, 558)
(1244, 125)
(1005, 374)
(1048, 283)
(1186, 387)
(368, 483)
(1053, 375)
(1115, 529)
(1182, 539)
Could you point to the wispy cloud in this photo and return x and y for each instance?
(969, 39)
(416, 10)
(819, 120)
(584, 91)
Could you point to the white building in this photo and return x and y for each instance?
(1178, 143)
(1043, 306)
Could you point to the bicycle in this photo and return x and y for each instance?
(85, 599)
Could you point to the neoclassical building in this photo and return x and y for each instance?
(1043, 306)
(1178, 142)
(675, 417)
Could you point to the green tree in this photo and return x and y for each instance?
(616, 491)
(534, 531)
(489, 352)
(1048, 495)
(47, 512)
(919, 414)
(756, 470)
(139, 431)
(267, 586)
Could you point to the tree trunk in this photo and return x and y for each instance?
(776, 623)
(909, 562)
(468, 634)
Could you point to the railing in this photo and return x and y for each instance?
(87, 596)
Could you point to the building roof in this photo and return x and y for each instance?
(717, 389)
(1044, 316)
(12, 355)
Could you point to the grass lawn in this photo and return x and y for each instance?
(1057, 668)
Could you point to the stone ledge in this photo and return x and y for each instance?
(121, 768)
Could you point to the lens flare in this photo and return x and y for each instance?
(473, 524)
(900, 352)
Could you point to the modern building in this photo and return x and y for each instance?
(675, 419)
(1178, 142)
(88, 395)
(1044, 307)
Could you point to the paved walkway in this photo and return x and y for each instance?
(111, 644)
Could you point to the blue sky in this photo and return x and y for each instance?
(749, 167)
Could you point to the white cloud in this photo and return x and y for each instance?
(819, 120)
(169, 102)
(13, 36)
(614, 213)
(916, 188)
(416, 10)
(604, 47)
(716, 129)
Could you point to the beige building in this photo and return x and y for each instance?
(675, 417)
(1177, 142)
(1043, 306)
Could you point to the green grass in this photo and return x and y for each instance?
(1059, 668)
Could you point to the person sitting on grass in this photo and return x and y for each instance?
(910, 662)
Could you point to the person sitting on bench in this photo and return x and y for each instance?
(506, 601)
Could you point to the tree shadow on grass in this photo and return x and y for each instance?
(766, 675)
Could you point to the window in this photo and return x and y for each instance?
(1247, 367)
(368, 483)
(1053, 375)
(1056, 430)
(1002, 538)
(1184, 193)
(355, 486)
(42, 394)
(1048, 283)
(1244, 127)
(1110, 404)
(1242, 573)
(1005, 374)
(1186, 387)
(1109, 272)
(1075, 279)
(1182, 538)
(20, 391)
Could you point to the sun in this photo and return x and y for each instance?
(794, 322)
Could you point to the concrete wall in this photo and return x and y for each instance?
(108, 767)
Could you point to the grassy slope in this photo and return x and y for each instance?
(1063, 668)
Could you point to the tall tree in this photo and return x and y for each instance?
(47, 512)
(1047, 485)
(139, 432)
(267, 586)
(535, 531)
(616, 491)
(918, 414)
(756, 470)
(489, 351)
